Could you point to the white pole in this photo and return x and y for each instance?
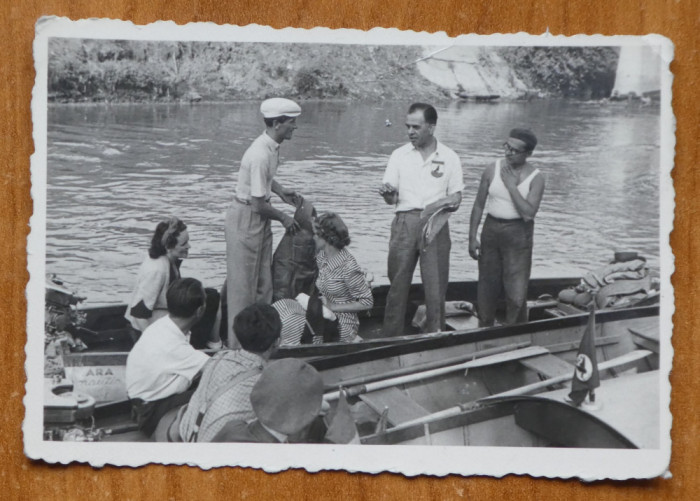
(530, 351)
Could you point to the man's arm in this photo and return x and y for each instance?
(478, 211)
(267, 211)
(527, 207)
(288, 196)
(390, 194)
(450, 202)
(390, 182)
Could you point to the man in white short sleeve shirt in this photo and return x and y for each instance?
(424, 180)
(247, 227)
(162, 365)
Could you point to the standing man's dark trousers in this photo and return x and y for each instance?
(505, 259)
(404, 253)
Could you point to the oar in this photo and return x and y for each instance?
(401, 371)
(354, 391)
(458, 409)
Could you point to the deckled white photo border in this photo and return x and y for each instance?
(588, 464)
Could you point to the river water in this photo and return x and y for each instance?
(114, 171)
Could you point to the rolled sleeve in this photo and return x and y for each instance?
(455, 183)
(355, 281)
(187, 361)
(151, 285)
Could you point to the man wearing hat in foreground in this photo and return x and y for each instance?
(286, 400)
(248, 220)
(511, 191)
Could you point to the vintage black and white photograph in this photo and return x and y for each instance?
(295, 248)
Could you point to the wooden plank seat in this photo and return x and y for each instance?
(646, 340)
(548, 365)
(462, 322)
(401, 407)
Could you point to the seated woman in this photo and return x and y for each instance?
(169, 246)
(340, 280)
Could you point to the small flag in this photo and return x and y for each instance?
(586, 376)
(342, 429)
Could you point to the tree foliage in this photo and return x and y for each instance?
(128, 70)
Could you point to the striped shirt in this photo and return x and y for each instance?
(341, 280)
(293, 317)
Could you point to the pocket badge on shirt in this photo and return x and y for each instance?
(437, 171)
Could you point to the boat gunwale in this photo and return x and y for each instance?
(456, 338)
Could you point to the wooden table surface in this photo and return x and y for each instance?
(21, 478)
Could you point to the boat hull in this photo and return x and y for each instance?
(625, 416)
(102, 374)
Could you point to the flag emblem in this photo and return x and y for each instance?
(584, 367)
(586, 377)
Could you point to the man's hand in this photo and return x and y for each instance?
(509, 177)
(290, 224)
(474, 248)
(390, 194)
(289, 196)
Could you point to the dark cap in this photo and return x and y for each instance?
(526, 136)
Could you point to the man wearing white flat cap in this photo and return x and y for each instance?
(248, 220)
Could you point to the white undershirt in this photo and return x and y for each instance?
(500, 203)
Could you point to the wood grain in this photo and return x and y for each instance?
(24, 479)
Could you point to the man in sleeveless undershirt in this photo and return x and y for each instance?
(510, 191)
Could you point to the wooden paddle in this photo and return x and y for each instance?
(409, 378)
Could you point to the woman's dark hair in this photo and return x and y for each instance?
(165, 237)
(330, 227)
(184, 296)
(257, 327)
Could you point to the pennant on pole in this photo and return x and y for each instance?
(342, 429)
(586, 377)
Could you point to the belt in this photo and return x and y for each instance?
(501, 220)
(410, 211)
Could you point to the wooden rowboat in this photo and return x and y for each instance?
(100, 370)
(625, 415)
(471, 384)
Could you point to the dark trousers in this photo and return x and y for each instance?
(404, 253)
(505, 260)
(199, 333)
(149, 414)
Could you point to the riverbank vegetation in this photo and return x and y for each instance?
(572, 72)
(139, 71)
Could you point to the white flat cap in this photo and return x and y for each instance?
(279, 106)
